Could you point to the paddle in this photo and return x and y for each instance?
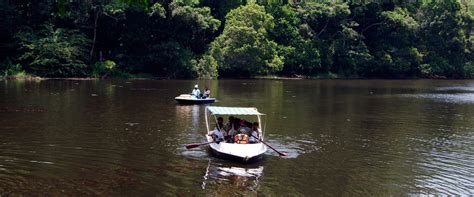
(280, 153)
(194, 145)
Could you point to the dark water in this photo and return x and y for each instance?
(127, 138)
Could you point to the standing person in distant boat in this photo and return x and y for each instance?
(196, 92)
(207, 93)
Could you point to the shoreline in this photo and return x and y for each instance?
(299, 77)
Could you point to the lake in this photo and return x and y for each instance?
(343, 137)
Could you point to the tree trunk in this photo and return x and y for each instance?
(95, 34)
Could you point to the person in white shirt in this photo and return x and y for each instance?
(196, 92)
(217, 135)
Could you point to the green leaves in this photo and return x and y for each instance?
(446, 28)
(199, 19)
(116, 8)
(54, 52)
(7, 68)
(400, 18)
(244, 49)
(183, 38)
(102, 68)
(157, 10)
(207, 67)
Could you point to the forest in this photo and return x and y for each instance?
(187, 39)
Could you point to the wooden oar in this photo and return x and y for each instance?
(194, 145)
(280, 153)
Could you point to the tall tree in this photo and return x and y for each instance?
(54, 52)
(342, 48)
(244, 49)
(390, 32)
(446, 31)
(301, 54)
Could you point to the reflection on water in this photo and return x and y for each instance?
(229, 179)
(447, 94)
(186, 114)
(448, 98)
(469, 88)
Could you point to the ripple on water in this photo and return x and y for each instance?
(294, 146)
(458, 98)
(198, 154)
(457, 88)
(61, 169)
(445, 165)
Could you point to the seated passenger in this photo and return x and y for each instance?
(216, 134)
(227, 128)
(244, 127)
(254, 135)
(220, 123)
(207, 93)
(234, 130)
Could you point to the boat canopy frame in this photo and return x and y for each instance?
(233, 111)
(237, 111)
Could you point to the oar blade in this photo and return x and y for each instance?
(189, 146)
(194, 145)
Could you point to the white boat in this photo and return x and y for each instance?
(188, 99)
(246, 153)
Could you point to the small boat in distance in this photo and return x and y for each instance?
(190, 100)
(240, 152)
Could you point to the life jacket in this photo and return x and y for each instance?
(241, 139)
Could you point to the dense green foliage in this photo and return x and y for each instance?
(243, 48)
(237, 38)
(54, 51)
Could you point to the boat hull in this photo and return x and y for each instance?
(242, 153)
(187, 99)
(235, 158)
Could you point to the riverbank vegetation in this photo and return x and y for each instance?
(237, 38)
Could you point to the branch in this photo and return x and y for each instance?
(95, 34)
(322, 30)
(372, 25)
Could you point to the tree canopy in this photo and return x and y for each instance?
(237, 38)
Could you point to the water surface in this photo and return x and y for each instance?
(364, 137)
